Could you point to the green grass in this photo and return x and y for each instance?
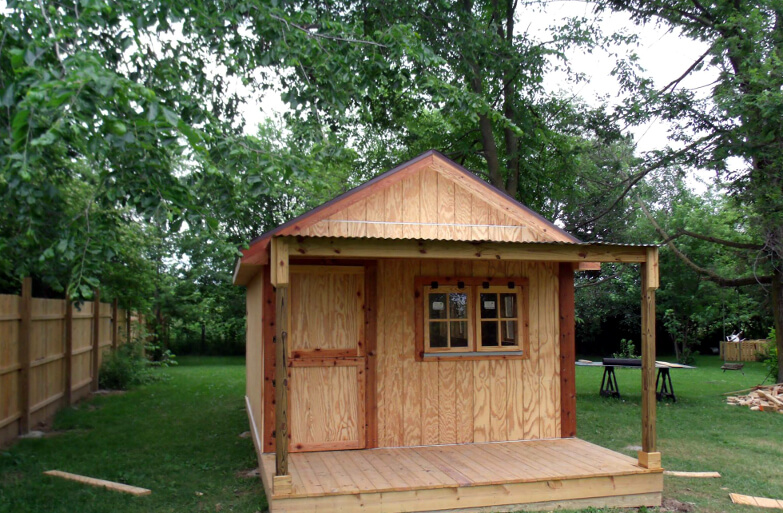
(698, 433)
(177, 437)
(180, 436)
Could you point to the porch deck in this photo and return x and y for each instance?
(500, 476)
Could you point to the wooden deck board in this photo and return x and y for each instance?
(332, 473)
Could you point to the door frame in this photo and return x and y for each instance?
(370, 349)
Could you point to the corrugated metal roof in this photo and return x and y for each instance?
(486, 241)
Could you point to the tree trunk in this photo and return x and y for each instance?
(490, 151)
(676, 347)
(777, 314)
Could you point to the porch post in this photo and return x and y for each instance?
(567, 351)
(648, 456)
(278, 269)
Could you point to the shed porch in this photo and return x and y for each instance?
(501, 476)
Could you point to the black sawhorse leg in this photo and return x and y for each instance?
(609, 386)
(663, 385)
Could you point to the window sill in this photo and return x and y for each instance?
(473, 355)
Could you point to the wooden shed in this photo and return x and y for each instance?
(410, 347)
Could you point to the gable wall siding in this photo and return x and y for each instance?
(423, 403)
(431, 204)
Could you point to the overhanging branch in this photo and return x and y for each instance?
(708, 274)
(723, 242)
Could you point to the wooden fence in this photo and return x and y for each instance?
(50, 353)
(748, 352)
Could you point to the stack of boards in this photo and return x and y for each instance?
(769, 398)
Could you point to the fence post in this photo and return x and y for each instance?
(96, 338)
(115, 328)
(68, 349)
(25, 315)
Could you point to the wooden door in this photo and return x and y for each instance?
(327, 358)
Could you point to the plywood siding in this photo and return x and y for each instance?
(422, 403)
(254, 352)
(326, 407)
(326, 309)
(432, 203)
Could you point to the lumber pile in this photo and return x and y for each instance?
(769, 398)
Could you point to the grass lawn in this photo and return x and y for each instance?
(698, 433)
(180, 436)
(177, 437)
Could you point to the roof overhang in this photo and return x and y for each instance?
(587, 254)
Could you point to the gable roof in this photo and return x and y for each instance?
(427, 197)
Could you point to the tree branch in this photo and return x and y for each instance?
(706, 273)
(674, 83)
(597, 282)
(631, 181)
(307, 31)
(723, 242)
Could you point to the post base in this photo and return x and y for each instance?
(282, 485)
(650, 460)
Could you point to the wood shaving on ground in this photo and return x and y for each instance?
(769, 398)
(761, 502)
(678, 473)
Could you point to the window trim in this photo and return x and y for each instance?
(473, 287)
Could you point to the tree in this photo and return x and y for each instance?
(740, 120)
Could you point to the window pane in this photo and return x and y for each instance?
(458, 305)
(438, 334)
(508, 306)
(437, 306)
(489, 305)
(459, 333)
(508, 333)
(489, 333)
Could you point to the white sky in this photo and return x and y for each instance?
(664, 54)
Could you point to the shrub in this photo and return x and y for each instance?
(627, 350)
(124, 368)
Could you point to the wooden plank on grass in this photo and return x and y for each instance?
(111, 485)
(678, 473)
(761, 502)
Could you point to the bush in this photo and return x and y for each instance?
(124, 368)
(627, 350)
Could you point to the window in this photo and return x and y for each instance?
(448, 324)
(497, 319)
(471, 317)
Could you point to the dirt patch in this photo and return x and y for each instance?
(252, 473)
(675, 505)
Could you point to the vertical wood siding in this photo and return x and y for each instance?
(435, 206)
(422, 403)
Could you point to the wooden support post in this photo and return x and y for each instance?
(68, 349)
(567, 351)
(25, 314)
(96, 338)
(279, 277)
(648, 456)
(115, 326)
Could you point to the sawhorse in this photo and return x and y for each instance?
(664, 389)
